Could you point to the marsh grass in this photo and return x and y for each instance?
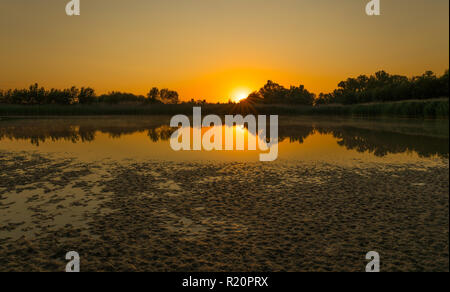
(431, 108)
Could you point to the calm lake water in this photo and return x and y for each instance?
(333, 140)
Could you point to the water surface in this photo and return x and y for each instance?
(333, 140)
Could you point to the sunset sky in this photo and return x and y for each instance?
(217, 49)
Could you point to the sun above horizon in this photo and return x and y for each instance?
(240, 94)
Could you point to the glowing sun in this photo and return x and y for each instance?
(240, 94)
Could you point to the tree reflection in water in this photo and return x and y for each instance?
(372, 140)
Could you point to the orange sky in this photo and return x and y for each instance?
(217, 49)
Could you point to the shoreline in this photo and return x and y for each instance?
(426, 109)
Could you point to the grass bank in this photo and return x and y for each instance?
(432, 108)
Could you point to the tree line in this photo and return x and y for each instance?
(379, 87)
(273, 93)
(36, 95)
(382, 87)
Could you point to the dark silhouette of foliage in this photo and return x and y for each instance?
(86, 96)
(273, 93)
(383, 87)
(116, 97)
(193, 102)
(162, 96)
(254, 97)
(35, 95)
(168, 96)
(380, 87)
(153, 95)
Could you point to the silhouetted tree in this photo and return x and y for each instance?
(299, 95)
(382, 87)
(254, 97)
(168, 96)
(273, 93)
(153, 96)
(324, 98)
(116, 97)
(86, 95)
(444, 82)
